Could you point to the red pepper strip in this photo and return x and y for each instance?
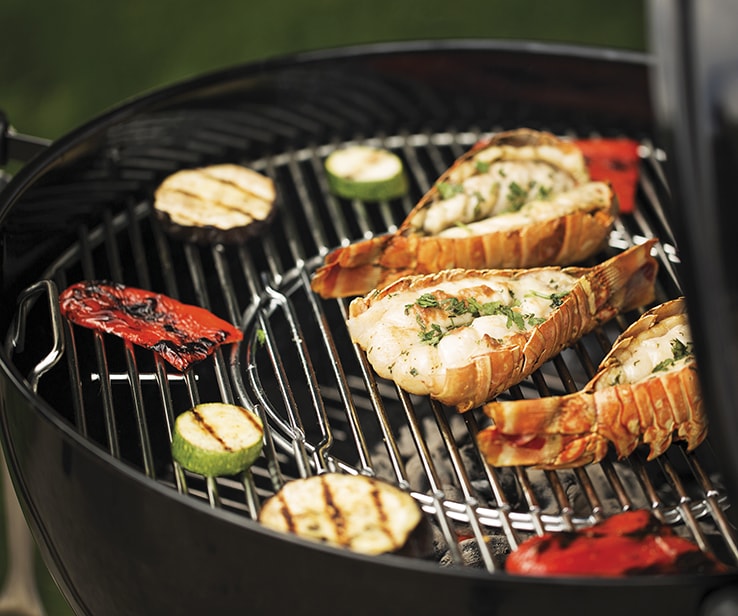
(181, 333)
(615, 161)
(628, 543)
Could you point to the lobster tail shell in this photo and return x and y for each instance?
(560, 237)
(553, 432)
(551, 452)
(575, 429)
(351, 270)
(621, 283)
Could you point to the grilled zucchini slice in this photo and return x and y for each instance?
(357, 512)
(216, 439)
(365, 173)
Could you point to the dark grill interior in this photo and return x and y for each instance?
(322, 404)
(317, 393)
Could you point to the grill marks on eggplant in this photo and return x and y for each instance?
(352, 511)
(337, 514)
(217, 204)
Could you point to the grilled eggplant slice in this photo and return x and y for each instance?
(366, 173)
(216, 204)
(464, 336)
(216, 439)
(356, 512)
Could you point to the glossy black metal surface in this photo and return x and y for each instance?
(695, 85)
(119, 543)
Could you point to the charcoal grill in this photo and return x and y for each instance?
(87, 419)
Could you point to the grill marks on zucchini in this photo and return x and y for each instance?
(351, 511)
(366, 173)
(212, 430)
(217, 439)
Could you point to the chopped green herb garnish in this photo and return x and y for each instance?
(448, 190)
(556, 298)
(533, 320)
(478, 204)
(482, 166)
(427, 300)
(456, 307)
(679, 350)
(433, 335)
(260, 336)
(516, 196)
(544, 192)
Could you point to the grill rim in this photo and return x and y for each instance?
(75, 143)
(70, 146)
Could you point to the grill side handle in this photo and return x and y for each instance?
(15, 146)
(16, 334)
(695, 91)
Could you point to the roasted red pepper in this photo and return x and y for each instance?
(629, 543)
(181, 333)
(615, 161)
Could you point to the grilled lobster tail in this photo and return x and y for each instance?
(518, 200)
(615, 408)
(464, 336)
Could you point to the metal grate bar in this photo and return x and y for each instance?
(436, 489)
(469, 499)
(323, 406)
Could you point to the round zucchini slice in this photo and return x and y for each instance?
(360, 513)
(365, 173)
(216, 439)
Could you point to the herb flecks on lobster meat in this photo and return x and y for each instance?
(626, 544)
(182, 334)
(464, 336)
(646, 391)
(520, 199)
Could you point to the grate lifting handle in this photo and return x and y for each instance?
(16, 337)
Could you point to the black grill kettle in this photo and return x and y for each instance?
(695, 94)
(137, 548)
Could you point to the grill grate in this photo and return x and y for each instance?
(323, 406)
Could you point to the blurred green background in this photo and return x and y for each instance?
(63, 63)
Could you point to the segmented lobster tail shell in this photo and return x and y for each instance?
(651, 411)
(566, 237)
(576, 429)
(556, 451)
(352, 270)
(384, 326)
(619, 284)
